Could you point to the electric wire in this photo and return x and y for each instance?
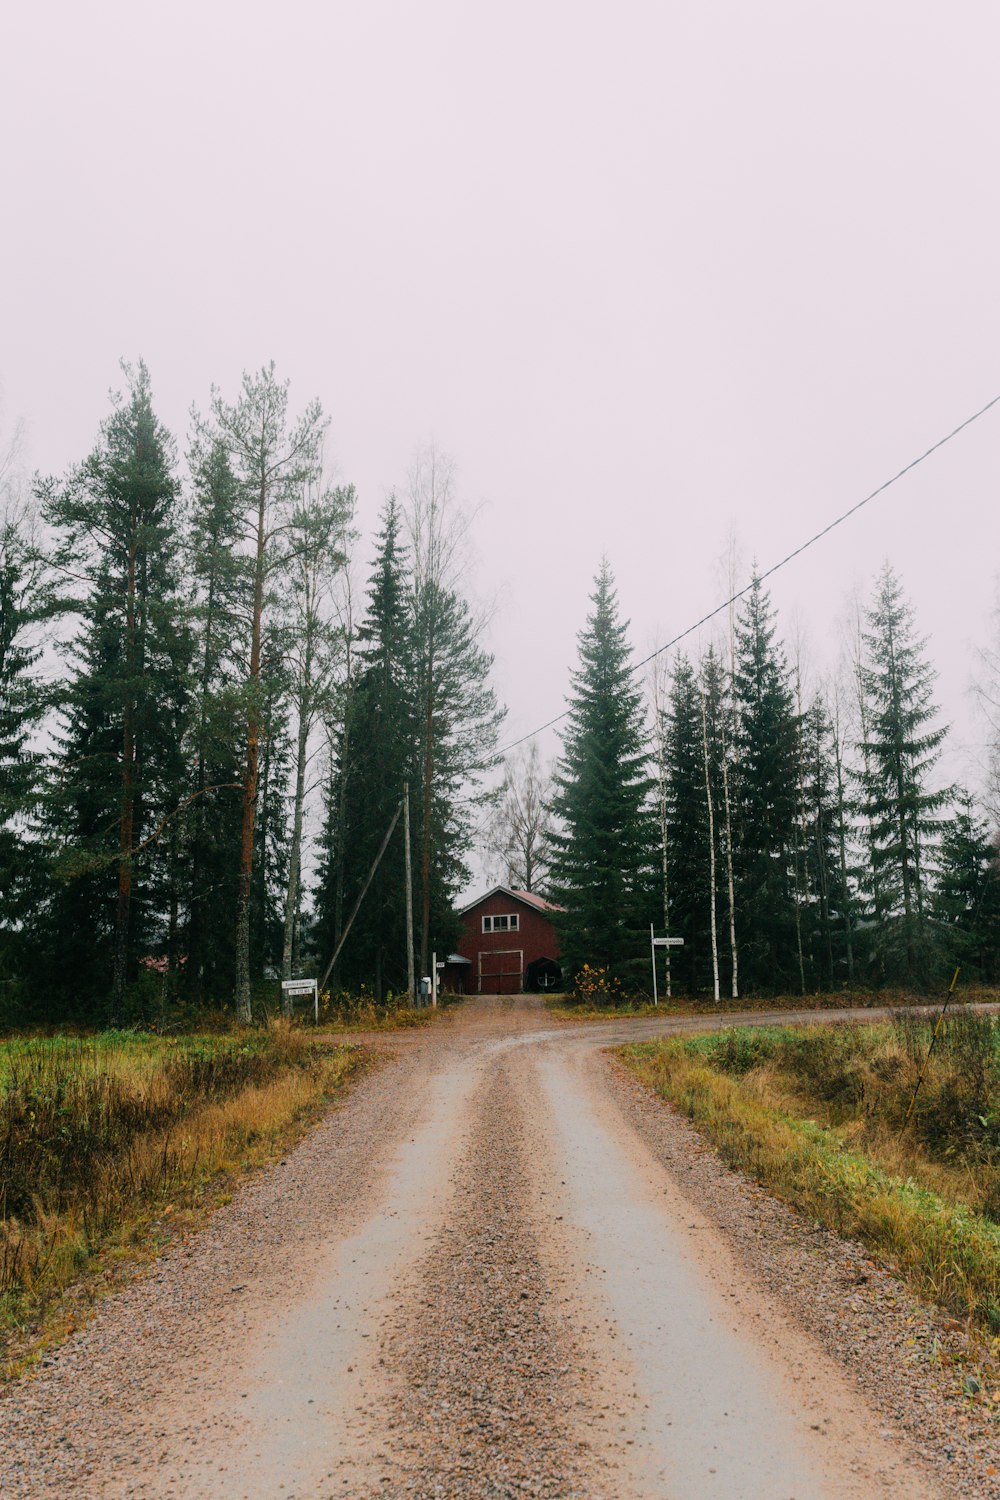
(774, 568)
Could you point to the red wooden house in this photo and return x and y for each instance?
(508, 944)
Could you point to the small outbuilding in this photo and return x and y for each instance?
(508, 944)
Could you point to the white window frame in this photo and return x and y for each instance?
(511, 919)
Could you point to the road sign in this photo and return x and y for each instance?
(663, 942)
(299, 989)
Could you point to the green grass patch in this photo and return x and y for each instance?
(818, 1116)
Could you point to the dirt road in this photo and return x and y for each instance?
(498, 1271)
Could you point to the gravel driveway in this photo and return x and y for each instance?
(502, 1269)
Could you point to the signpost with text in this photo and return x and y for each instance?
(299, 989)
(663, 942)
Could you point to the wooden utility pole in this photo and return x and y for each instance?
(410, 969)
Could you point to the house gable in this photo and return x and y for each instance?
(504, 933)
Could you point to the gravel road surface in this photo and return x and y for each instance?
(501, 1269)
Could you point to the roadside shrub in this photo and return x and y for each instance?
(363, 1011)
(596, 986)
(738, 1049)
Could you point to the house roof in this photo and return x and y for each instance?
(527, 898)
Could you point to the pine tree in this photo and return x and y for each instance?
(217, 725)
(900, 750)
(273, 461)
(120, 771)
(765, 786)
(604, 848)
(317, 537)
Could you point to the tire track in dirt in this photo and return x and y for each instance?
(489, 1389)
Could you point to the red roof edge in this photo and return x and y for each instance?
(527, 898)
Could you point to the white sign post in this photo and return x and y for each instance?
(297, 989)
(663, 942)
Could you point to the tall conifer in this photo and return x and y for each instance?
(901, 748)
(687, 827)
(765, 791)
(375, 756)
(121, 769)
(604, 847)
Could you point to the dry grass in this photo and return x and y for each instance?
(817, 1116)
(107, 1143)
(351, 1013)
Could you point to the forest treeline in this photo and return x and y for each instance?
(215, 675)
(193, 691)
(795, 843)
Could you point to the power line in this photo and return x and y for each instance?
(818, 536)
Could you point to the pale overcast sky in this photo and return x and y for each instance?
(648, 271)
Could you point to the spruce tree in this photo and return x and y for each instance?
(458, 722)
(687, 816)
(826, 895)
(21, 706)
(604, 847)
(374, 756)
(272, 830)
(967, 899)
(765, 796)
(120, 771)
(900, 751)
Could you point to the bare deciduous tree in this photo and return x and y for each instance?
(987, 690)
(516, 835)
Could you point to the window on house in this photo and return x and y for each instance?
(508, 922)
